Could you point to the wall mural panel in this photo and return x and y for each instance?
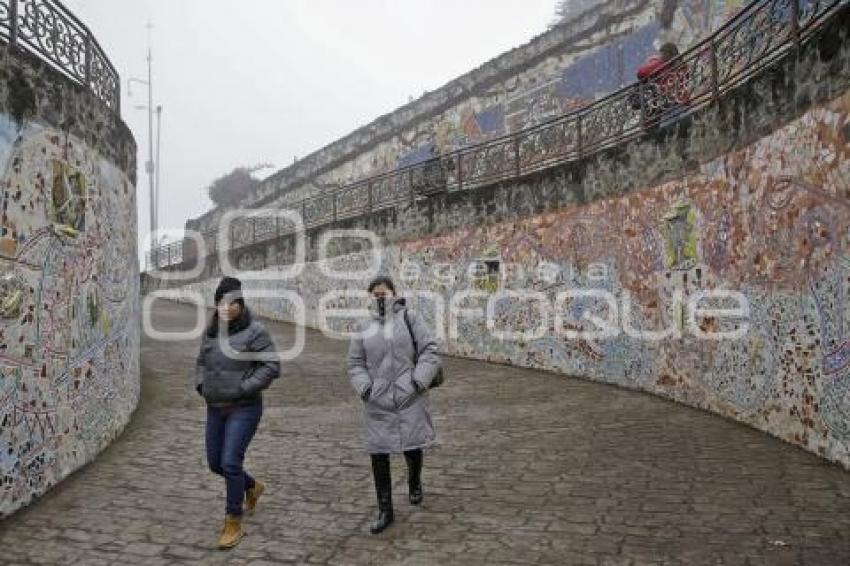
(69, 315)
(695, 18)
(771, 221)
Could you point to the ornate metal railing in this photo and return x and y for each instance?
(168, 254)
(760, 34)
(50, 31)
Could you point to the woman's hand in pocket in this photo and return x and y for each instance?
(410, 391)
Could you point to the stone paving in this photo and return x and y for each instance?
(530, 468)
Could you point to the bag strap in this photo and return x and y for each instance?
(412, 338)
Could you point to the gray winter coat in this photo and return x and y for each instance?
(233, 380)
(397, 412)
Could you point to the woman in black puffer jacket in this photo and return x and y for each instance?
(236, 362)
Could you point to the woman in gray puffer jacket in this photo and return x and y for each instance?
(236, 362)
(397, 411)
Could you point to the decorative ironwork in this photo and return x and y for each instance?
(760, 34)
(610, 121)
(241, 232)
(5, 19)
(265, 227)
(353, 201)
(389, 190)
(550, 143)
(164, 256)
(811, 10)
(103, 79)
(319, 210)
(430, 179)
(50, 31)
(489, 162)
(747, 41)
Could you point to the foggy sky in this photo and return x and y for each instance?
(250, 81)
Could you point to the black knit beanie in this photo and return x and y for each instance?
(229, 285)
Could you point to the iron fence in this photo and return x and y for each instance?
(163, 256)
(49, 30)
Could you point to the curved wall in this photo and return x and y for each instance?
(750, 195)
(770, 221)
(69, 284)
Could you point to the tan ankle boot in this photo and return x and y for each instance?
(253, 495)
(232, 532)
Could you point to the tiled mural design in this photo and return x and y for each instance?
(694, 18)
(69, 319)
(578, 81)
(771, 221)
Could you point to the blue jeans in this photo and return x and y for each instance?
(229, 432)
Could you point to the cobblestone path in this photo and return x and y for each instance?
(530, 468)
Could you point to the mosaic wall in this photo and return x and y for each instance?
(69, 287)
(770, 221)
(693, 18)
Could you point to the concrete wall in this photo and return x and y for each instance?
(563, 69)
(69, 317)
(749, 195)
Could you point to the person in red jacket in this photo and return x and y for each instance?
(665, 88)
(666, 53)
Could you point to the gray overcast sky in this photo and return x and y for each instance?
(250, 81)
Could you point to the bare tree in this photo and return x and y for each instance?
(233, 187)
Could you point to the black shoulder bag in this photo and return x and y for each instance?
(440, 377)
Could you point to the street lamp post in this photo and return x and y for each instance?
(158, 165)
(149, 165)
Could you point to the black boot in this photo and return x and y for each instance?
(414, 475)
(383, 488)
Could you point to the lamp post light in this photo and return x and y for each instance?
(150, 166)
(158, 166)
